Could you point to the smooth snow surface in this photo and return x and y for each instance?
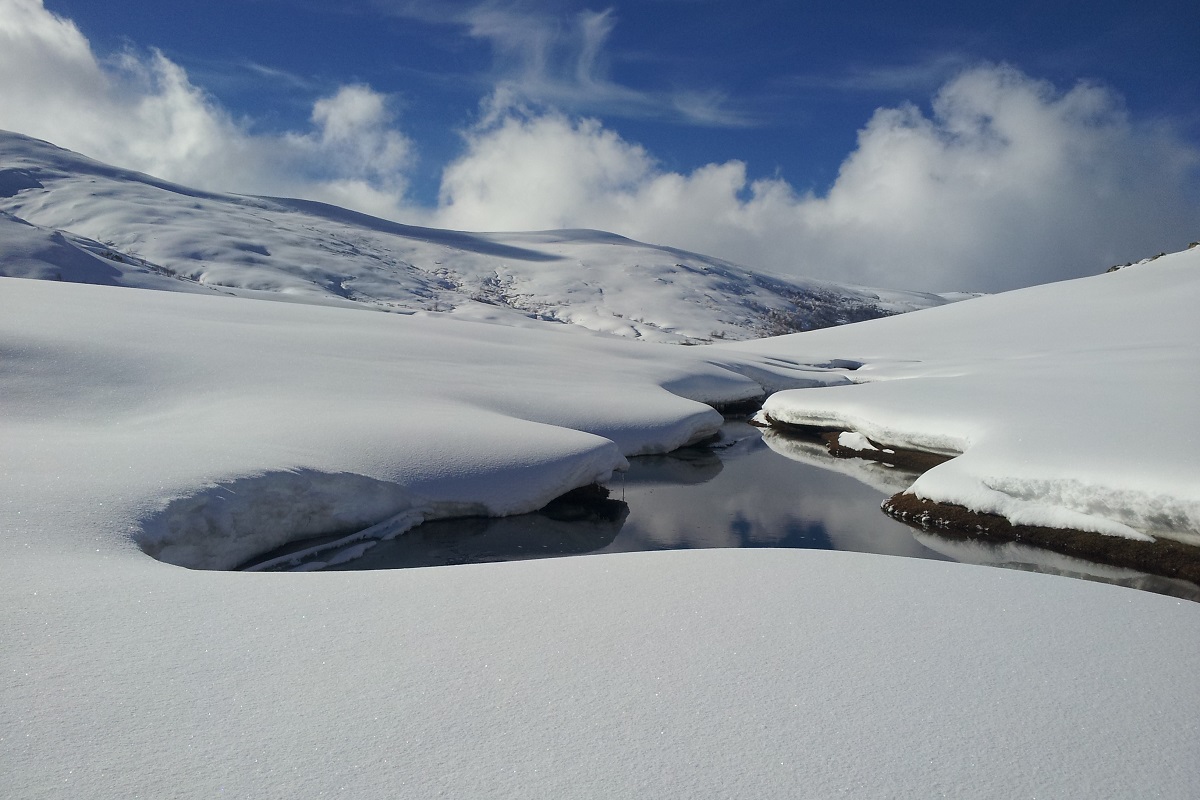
(161, 235)
(1073, 404)
(703, 673)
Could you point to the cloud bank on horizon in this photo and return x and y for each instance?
(1005, 181)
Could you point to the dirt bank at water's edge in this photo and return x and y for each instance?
(1163, 557)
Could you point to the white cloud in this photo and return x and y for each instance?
(142, 112)
(547, 168)
(1007, 183)
(354, 128)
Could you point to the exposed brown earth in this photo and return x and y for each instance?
(1163, 557)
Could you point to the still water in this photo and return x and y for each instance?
(738, 493)
(751, 488)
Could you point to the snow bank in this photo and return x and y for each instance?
(1072, 404)
(222, 526)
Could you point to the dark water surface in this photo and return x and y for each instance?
(751, 489)
(737, 494)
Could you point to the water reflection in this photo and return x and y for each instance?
(738, 492)
(885, 479)
(754, 498)
(563, 531)
(1015, 555)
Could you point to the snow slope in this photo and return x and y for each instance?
(1073, 404)
(194, 425)
(319, 253)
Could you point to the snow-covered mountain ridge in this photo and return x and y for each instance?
(67, 217)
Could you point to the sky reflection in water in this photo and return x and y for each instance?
(752, 489)
(741, 493)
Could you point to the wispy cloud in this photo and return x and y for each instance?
(922, 76)
(710, 107)
(237, 76)
(277, 76)
(545, 54)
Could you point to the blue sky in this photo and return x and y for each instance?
(939, 145)
(782, 85)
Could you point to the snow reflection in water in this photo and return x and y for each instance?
(739, 492)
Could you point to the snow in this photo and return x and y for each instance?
(855, 441)
(748, 673)
(168, 236)
(1056, 396)
(31, 251)
(201, 428)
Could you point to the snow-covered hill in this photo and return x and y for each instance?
(65, 216)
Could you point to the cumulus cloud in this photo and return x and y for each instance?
(547, 168)
(142, 112)
(1006, 182)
